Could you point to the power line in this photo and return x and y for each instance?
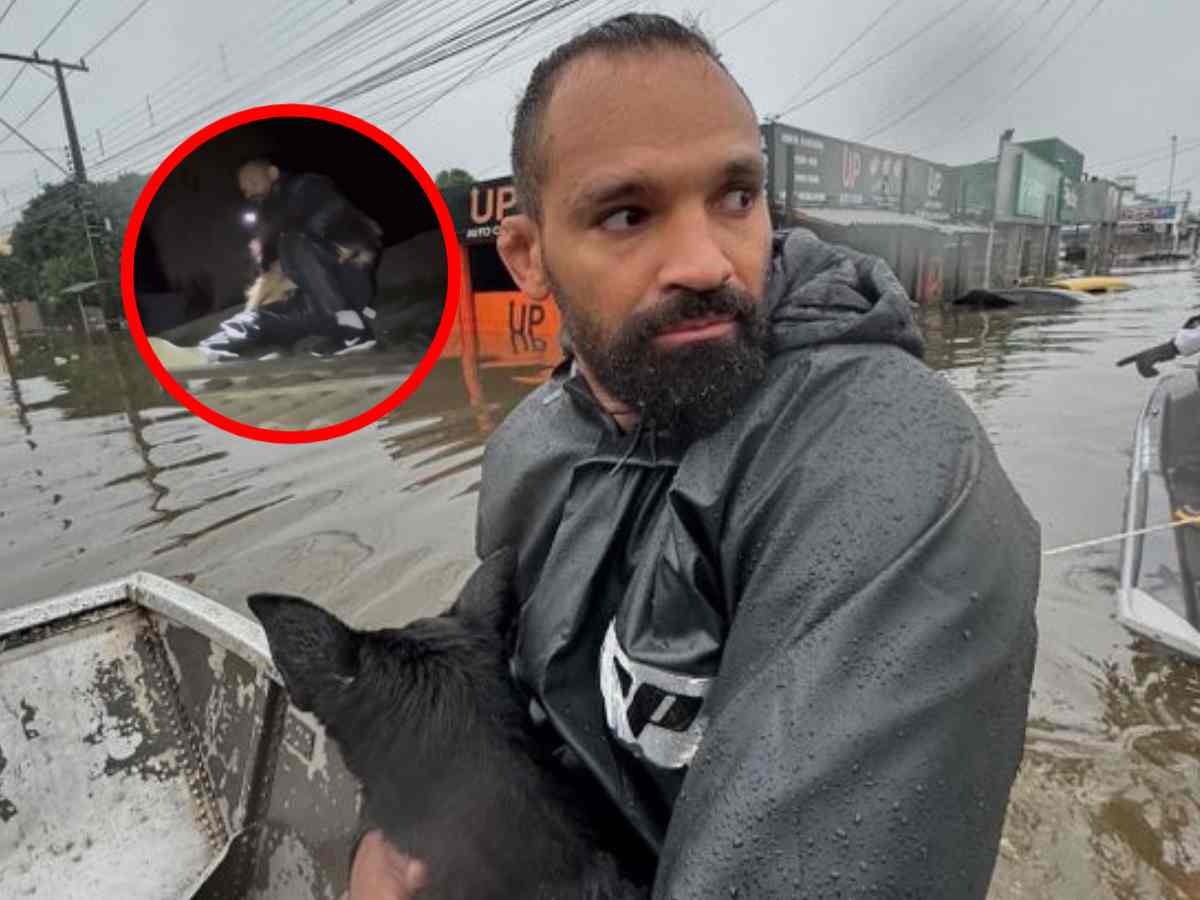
(411, 95)
(970, 120)
(413, 40)
(112, 31)
(841, 53)
(96, 46)
(746, 18)
(1155, 151)
(957, 77)
(7, 10)
(310, 55)
(411, 92)
(264, 38)
(34, 147)
(476, 38)
(41, 44)
(413, 62)
(552, 35)
(920, 32)
(269, 36)
(476, 34)
(226, 99)
(516, 36)
(297, 67)
(1187, 148)
(57, 25)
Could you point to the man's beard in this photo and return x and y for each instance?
(691, 389)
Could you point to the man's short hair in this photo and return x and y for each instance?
(260, 162)
(633, 32)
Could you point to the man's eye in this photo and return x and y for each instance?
(623, 219)
(739, 200)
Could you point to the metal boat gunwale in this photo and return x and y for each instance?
(1137, 609)
(230, 630)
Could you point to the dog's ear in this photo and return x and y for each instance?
(488, 596)
(313, 649)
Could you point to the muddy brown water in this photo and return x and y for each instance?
(101, 473)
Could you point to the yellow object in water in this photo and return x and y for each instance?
(1100, 284)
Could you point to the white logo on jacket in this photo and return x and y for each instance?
(657, 714)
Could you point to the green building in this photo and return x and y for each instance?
(1058, 152)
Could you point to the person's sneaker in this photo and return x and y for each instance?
(177, 358)
(352, 334)
(332, 346)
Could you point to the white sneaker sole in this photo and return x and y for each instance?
(346, 351)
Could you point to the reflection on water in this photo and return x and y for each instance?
(101, 473)
(302, 395)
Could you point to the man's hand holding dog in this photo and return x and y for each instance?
(381, 872)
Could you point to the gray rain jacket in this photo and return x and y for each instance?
(797, 654)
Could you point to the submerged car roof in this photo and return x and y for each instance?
(1049, 293)
(1025, 296)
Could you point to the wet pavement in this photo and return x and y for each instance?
(101, 473)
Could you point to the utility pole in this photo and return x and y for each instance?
(78, 171)
(58, 65)
(1171, 178)
(72, 136)
(1171, 187)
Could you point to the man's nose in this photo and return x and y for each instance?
(694, 257)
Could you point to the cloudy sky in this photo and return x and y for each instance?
(939, 78)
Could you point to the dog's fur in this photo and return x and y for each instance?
(272, 286)
(428, 718)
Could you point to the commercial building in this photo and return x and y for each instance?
(901, 208)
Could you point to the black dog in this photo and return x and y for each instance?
(428, 718)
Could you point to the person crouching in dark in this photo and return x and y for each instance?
(318, 258)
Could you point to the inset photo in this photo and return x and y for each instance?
(290, 270)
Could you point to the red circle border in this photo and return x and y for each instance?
(449, 238)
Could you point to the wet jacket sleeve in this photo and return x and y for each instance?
(311, 204)
(868, 716)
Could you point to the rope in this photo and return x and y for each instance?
(1183, 520)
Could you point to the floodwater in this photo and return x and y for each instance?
(101, 473)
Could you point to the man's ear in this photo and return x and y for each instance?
(313, 649)
(274, 173)
(488, 597)
(520, 246)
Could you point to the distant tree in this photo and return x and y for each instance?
(50, 226)
(60, 272)
(452, 178)
(18, 281)
(49, 240)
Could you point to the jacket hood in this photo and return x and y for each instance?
(820, 293)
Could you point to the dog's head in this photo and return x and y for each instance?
(423, 683)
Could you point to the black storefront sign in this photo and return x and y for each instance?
(816, 170)
(930, 190)
(477, 210)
